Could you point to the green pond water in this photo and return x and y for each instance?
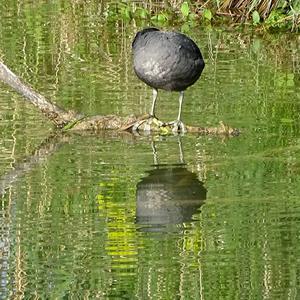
(117, 216)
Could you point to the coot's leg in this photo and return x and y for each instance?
(150, 122)
(177, 124)
(154, 97)
(180, 105)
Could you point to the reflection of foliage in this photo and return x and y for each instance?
(116, 203)
(250, 249)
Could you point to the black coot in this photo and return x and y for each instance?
(166, 60)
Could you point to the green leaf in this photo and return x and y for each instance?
(125, 12)
(185, 28)
(142, 13)
(185, 9)
(207, 14)
(255, 17)
(162, 18)
(192, 17)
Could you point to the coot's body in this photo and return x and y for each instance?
(166, 60)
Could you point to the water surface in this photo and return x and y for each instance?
(116, 216)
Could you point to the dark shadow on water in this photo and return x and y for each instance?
(170, 194)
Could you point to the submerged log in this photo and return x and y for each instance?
(49, 146)
(70, 120)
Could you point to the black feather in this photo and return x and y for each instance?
(166, 60)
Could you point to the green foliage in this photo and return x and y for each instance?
(276, 19)
(141, 13)
(217, 3)
(185, 9)
(160, 18)
(207, 14)
(125, 12)
(255, 17)
(281, 15)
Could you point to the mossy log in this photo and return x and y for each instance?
(71, 120)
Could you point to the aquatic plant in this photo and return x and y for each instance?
(275, 14)
(268, 14)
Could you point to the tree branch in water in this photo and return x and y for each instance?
(57, 115)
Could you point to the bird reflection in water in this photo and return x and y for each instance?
(169, 194)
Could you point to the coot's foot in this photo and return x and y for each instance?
(178, 126)
(148, 124)
(153, 120)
